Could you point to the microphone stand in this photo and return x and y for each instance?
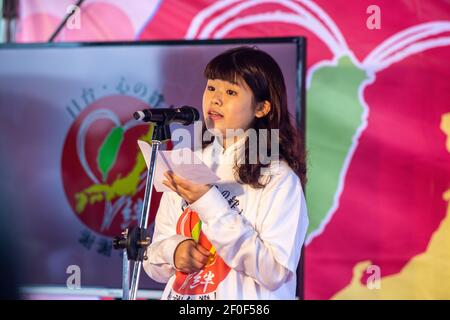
(10, 14)
(134, 242)
(63, 22)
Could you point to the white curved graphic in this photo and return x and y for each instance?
(328, 32)
(406, 43)
(81, 136)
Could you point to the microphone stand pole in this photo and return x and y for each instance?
(134, 242)
(10, 14)
(63, 22)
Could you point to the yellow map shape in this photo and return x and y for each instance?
(126, 186)
(426, 276)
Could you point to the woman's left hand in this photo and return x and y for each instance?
(189, 191)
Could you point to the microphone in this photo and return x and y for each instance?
(185, 115)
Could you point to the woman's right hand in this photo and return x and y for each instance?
(190, 257)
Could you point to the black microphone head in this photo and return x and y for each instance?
(185, 115)
(191, 115)
(139, 115)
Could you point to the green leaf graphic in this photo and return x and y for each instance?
(108, 151)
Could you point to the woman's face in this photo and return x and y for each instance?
(228, 106)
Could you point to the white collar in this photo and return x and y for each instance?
(235, 146)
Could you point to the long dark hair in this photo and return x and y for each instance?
(264, 77)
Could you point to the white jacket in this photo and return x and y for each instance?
(256, 234)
